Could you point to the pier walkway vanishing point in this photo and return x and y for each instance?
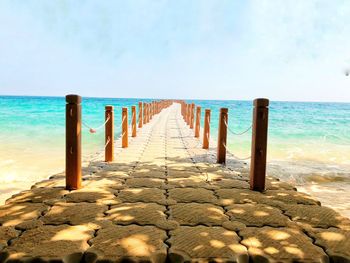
(165, 199)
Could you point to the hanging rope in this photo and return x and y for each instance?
(120, 125)
(236, 157)
(108, 141)
(94, 130)
(235, 133)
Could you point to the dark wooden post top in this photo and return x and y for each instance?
(261, 102)
(73, 99)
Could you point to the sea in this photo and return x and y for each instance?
(308, 142)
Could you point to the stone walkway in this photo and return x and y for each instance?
(165, 200)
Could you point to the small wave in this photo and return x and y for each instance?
(309, 172)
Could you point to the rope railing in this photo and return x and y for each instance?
(74, 125)
(94, 130)
(235, 156)
(108, 141)
(235, 133)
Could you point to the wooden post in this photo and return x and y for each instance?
(192, 116)
(133, 121)
(188, 114)
(206, 132)
(150, 111)
(109, 134)
(147, 113)
(140, 115)
(124, 127)
(198, 122)
(144, 112)
(222, 136)
(259, 144)
(73, 142)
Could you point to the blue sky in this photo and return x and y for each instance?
(283, 50)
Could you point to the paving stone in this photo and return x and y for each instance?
(16, 213)
(147, 195)
(61, 175)
(145, 182)
(189, 182)
(183, 167)
(316, 216)
(114, 174)
(291, 197)
(335, 241)
(62, 243)
(188, 195)
(213, 176)
(257, 215)
(6, 234)
(61, 182)
(151, 174)
(269, 244)
(38, 195)
(239, 196)
(30, 224)
(141, 214)
(278, 185)
(194, 214)
(117, 167)
(231, 183)
(74, 213)
(104, 183)
(193, 173)
(216, 169)
(205, 244)
(129, 243)
(91, 195)
(270, 197)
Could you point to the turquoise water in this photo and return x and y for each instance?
(303, 137)
(307, 131)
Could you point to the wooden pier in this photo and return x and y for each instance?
(163, 197)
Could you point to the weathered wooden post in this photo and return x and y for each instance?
(185, 111)
(133, 121)
(188, 114)
(206, 132)
(144, 112)
(109, 134)
(198, 122)
(150, 111)
(222, 135)
(182, 109)
(192, 116)
(73, 142)
(259, 144)
(140, 114)
(124, 127)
